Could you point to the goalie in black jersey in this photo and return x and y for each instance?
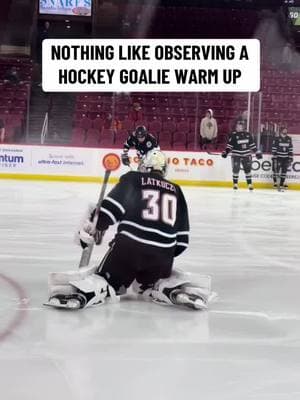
(282, 157)
(241, 145)
(142, 141)
(153, 229)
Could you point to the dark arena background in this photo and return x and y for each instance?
(53, 150)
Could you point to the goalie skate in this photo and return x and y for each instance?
(187, 299)
(71, 302)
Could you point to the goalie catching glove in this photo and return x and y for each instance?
(87, 234)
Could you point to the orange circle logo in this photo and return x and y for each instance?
(111, 162)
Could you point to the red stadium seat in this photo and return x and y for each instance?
(155, 126)
(165, 111)
(85, 123)
(189, 102)
(169, 125)
(176, 102)
(127, 124)
(92, 138)
(4, 111)
(141, 122)
(120, 138)
(21, 95)
(20, 103)
(149, 102)
(179, 141)
(106, 138)
(191, 140)
(98, 122)
(122, 108)
(15, 119)
(163, 101)
(183, 126)
(165, 139)
(7, 103)
(107, 100)
(83, 107)
(96, 107)
(82, 97)
(95, 98)
(78, 137)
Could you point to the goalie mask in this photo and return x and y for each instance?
(155, 160)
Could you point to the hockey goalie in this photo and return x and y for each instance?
(153, 229)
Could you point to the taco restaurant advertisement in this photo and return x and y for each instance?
(87, 164)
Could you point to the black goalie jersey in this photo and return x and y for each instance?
(142, 148)
(282, 147)
(150, 210)
(241, 144)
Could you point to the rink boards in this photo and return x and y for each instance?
(86, 165)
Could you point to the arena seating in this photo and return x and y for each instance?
(190, 22)
(174, 117)
(14, 97)
(173, 126)
(104, 120)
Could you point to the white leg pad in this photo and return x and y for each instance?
(64, 278)
(83, 280)
(99, 286)
(194, 285)
(62, 289)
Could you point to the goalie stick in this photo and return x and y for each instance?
(111, 162)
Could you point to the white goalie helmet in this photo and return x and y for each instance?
(155, 160)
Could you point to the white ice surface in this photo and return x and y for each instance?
(247, 347)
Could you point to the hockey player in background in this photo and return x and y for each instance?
(282, 157)
(241, 145)
(142, 141)
(153, 229)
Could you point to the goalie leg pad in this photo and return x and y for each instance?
(64, 278)
(79, 289)
(181, 289)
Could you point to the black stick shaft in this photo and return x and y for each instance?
(87, 252)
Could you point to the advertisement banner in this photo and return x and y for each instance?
(62, 161)
(73, 163)
(15, 159)
(66, 7)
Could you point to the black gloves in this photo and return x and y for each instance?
(125, 159)
(224, 154)
(259, 155)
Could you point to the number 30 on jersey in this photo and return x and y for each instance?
(160, 206)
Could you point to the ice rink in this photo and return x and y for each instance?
(246, 347)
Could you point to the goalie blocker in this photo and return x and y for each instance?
(153, 229)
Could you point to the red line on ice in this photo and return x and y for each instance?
(20, 314)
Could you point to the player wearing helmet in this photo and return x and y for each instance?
(153, 229)
(142, 141)
(241, 145)
(282, 157)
